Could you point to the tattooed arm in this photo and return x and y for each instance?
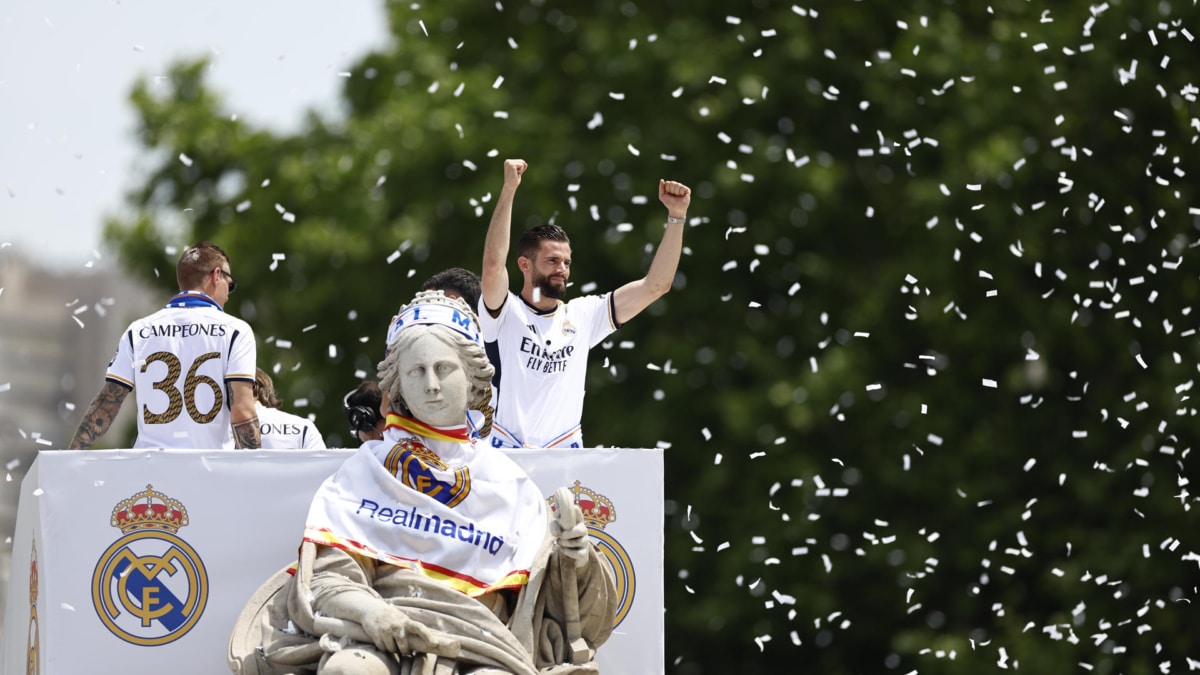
(246, 433)
(99, 416)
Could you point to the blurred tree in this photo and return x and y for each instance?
(925, 374)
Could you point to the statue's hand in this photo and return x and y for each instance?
(568, 527)
(390, 630)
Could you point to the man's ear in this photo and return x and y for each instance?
(524, 264)
(208, 286)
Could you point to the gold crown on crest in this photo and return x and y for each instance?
(149, 510)
(598, 510)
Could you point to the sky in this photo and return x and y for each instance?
(67, 147)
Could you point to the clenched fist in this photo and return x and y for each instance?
(675, 196)
(513, 168)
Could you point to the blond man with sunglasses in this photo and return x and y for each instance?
(191, 364)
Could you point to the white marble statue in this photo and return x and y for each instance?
(426, 552)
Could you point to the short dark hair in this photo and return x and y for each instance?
(196, 262)
(361, 406)
(457, 281)
(532, 239)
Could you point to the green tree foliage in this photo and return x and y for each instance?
(925, 375)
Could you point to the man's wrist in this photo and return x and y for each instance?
(676, 220)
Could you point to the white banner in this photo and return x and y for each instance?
(139, 561)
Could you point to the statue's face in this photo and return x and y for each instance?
(433, 382)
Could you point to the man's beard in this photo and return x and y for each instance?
(548, 289)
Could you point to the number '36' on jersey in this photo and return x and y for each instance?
(178, 361)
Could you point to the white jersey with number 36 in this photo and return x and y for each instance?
(178, 361)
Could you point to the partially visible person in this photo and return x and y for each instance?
(542, 343)
(282, 430)
(363, 408)
(191, 364)
(428, 552)
(455, 282)
(363, 405)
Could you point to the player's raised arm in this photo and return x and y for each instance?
(635, 296)
(99, 416)
(494, 280)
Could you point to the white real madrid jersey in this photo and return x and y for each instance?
(284, 431)
(178, 361)
(541, 366)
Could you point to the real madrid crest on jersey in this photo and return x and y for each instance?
(598, 512)
(149, 588)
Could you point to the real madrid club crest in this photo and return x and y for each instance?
(149, 588)
(598, 512)
(32, 660)
(422, 470)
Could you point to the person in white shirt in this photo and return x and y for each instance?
(191, 364)
(541, 343)
(282, 430)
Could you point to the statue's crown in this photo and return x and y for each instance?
(435, 307)
(598, 510)
(149, 510)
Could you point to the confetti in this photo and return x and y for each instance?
(1074, 256)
